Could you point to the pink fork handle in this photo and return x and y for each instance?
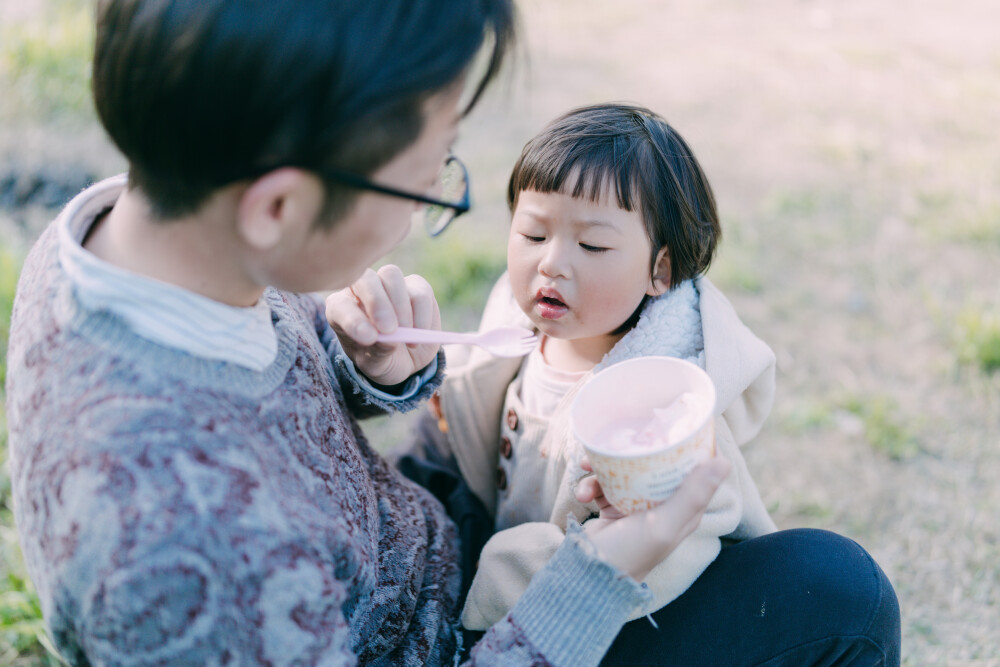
(410, 335)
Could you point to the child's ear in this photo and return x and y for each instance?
(660, 282)
(276, 202)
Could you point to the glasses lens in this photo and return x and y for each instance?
(436, 218)
(454, 189)
(453, 183)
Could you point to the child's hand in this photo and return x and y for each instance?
(589, 489)
(635, 544)
(379, 303)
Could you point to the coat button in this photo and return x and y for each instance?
(505, 447)
(501, 479)
(511, 419)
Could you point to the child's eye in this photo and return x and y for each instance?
(593, 248)
(533, 239)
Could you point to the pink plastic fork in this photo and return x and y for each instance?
(502, 342)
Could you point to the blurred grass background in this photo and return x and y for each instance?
(853, 149)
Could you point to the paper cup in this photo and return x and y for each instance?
(627, 393)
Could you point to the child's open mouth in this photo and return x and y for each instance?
(550, 306)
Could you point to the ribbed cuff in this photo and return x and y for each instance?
(576, 606)
(410, 389)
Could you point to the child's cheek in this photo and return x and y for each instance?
(604, 302)
(613, 301)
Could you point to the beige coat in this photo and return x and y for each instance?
(472, 400)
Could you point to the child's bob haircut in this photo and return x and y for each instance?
(199, 94)
(591, 149)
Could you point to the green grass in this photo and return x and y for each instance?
(797, 204)
(885, 429)
(958, 215)
(977, 339)
(807, 415)
(461, 275)
(22, 631)
(45, 64)
(812, 510)
(10, 267)
(737, 268)
(737, 264)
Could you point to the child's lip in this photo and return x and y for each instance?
(550, 293)
(549, 304)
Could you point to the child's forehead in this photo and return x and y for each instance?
(558, 207)
(568, 197)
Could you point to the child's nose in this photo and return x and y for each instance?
(554, 262)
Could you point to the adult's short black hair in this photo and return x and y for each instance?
(199, 94)
(644, 161)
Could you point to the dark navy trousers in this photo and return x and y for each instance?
(796, 597)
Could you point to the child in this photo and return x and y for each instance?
(613, 225)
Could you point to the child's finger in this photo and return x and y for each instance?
(588, 489)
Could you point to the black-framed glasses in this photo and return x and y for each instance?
(453, 181)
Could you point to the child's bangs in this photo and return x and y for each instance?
(588, 172)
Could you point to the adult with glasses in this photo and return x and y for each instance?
(191, 484)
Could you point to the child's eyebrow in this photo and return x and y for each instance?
(535, 215)
(597, 222)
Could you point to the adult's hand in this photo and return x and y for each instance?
(379, 302)
(636, 543)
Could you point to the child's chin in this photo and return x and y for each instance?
(553, 329)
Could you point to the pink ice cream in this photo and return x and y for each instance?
(668, 426)
(645, 423)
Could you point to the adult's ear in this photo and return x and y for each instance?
(275, 203)
(660, 282)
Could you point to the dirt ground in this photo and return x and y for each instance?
(854, 153)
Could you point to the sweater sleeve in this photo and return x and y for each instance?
(569, 614)
(363, 399)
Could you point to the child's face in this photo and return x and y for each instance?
(577, 268)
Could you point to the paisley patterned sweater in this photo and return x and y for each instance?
(179, 510)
